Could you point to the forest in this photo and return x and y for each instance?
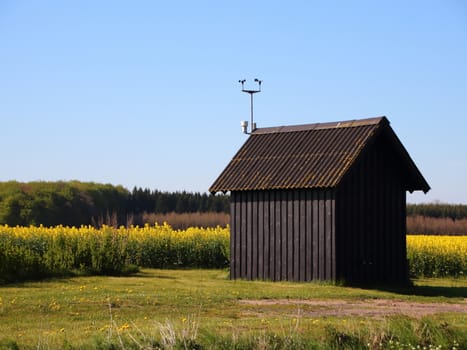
(75, 203)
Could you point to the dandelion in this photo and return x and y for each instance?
(124, 327)
(54, 306)
(104, 328)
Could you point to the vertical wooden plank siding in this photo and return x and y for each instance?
(271, 272)
(277, 239)
(302, 227)
(297, 223)
(333, 238)
(315, 233)
(309, 236)
(328, 219)
(254, 237)
(290, 240)
(243, 238)
(261, 231)
(370, 220)
(267, 239)
(249, 235)
(233, 236)
(283, 235)
(321, 238)
(239, 242)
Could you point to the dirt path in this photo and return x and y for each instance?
(367, 308)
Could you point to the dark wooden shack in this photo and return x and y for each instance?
(320, 202)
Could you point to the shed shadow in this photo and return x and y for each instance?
(430, 291)
(409, 288)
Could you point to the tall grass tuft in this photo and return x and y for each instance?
(398, 333)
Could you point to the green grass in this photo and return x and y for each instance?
(121, 312)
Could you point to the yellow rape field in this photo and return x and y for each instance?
(36, 252)
(437, 256)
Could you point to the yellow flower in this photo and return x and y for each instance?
(124, 327)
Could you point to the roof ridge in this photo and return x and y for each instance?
(319, 126)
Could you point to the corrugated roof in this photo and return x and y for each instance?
(302, 156)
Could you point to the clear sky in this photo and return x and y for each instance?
(146, 93)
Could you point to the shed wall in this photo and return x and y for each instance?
(283, 235)
(371, 219)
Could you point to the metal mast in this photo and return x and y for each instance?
(251, 92)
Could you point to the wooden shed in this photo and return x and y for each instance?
(323, 201)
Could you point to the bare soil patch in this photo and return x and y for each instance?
(375, 308)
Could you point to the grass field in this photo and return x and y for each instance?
(203, 309)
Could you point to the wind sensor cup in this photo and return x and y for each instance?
(244, 123)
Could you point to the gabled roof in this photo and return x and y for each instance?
(306, 156)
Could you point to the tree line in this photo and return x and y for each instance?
(438, 210)
(75, 203)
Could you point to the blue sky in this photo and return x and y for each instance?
(146, 93)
